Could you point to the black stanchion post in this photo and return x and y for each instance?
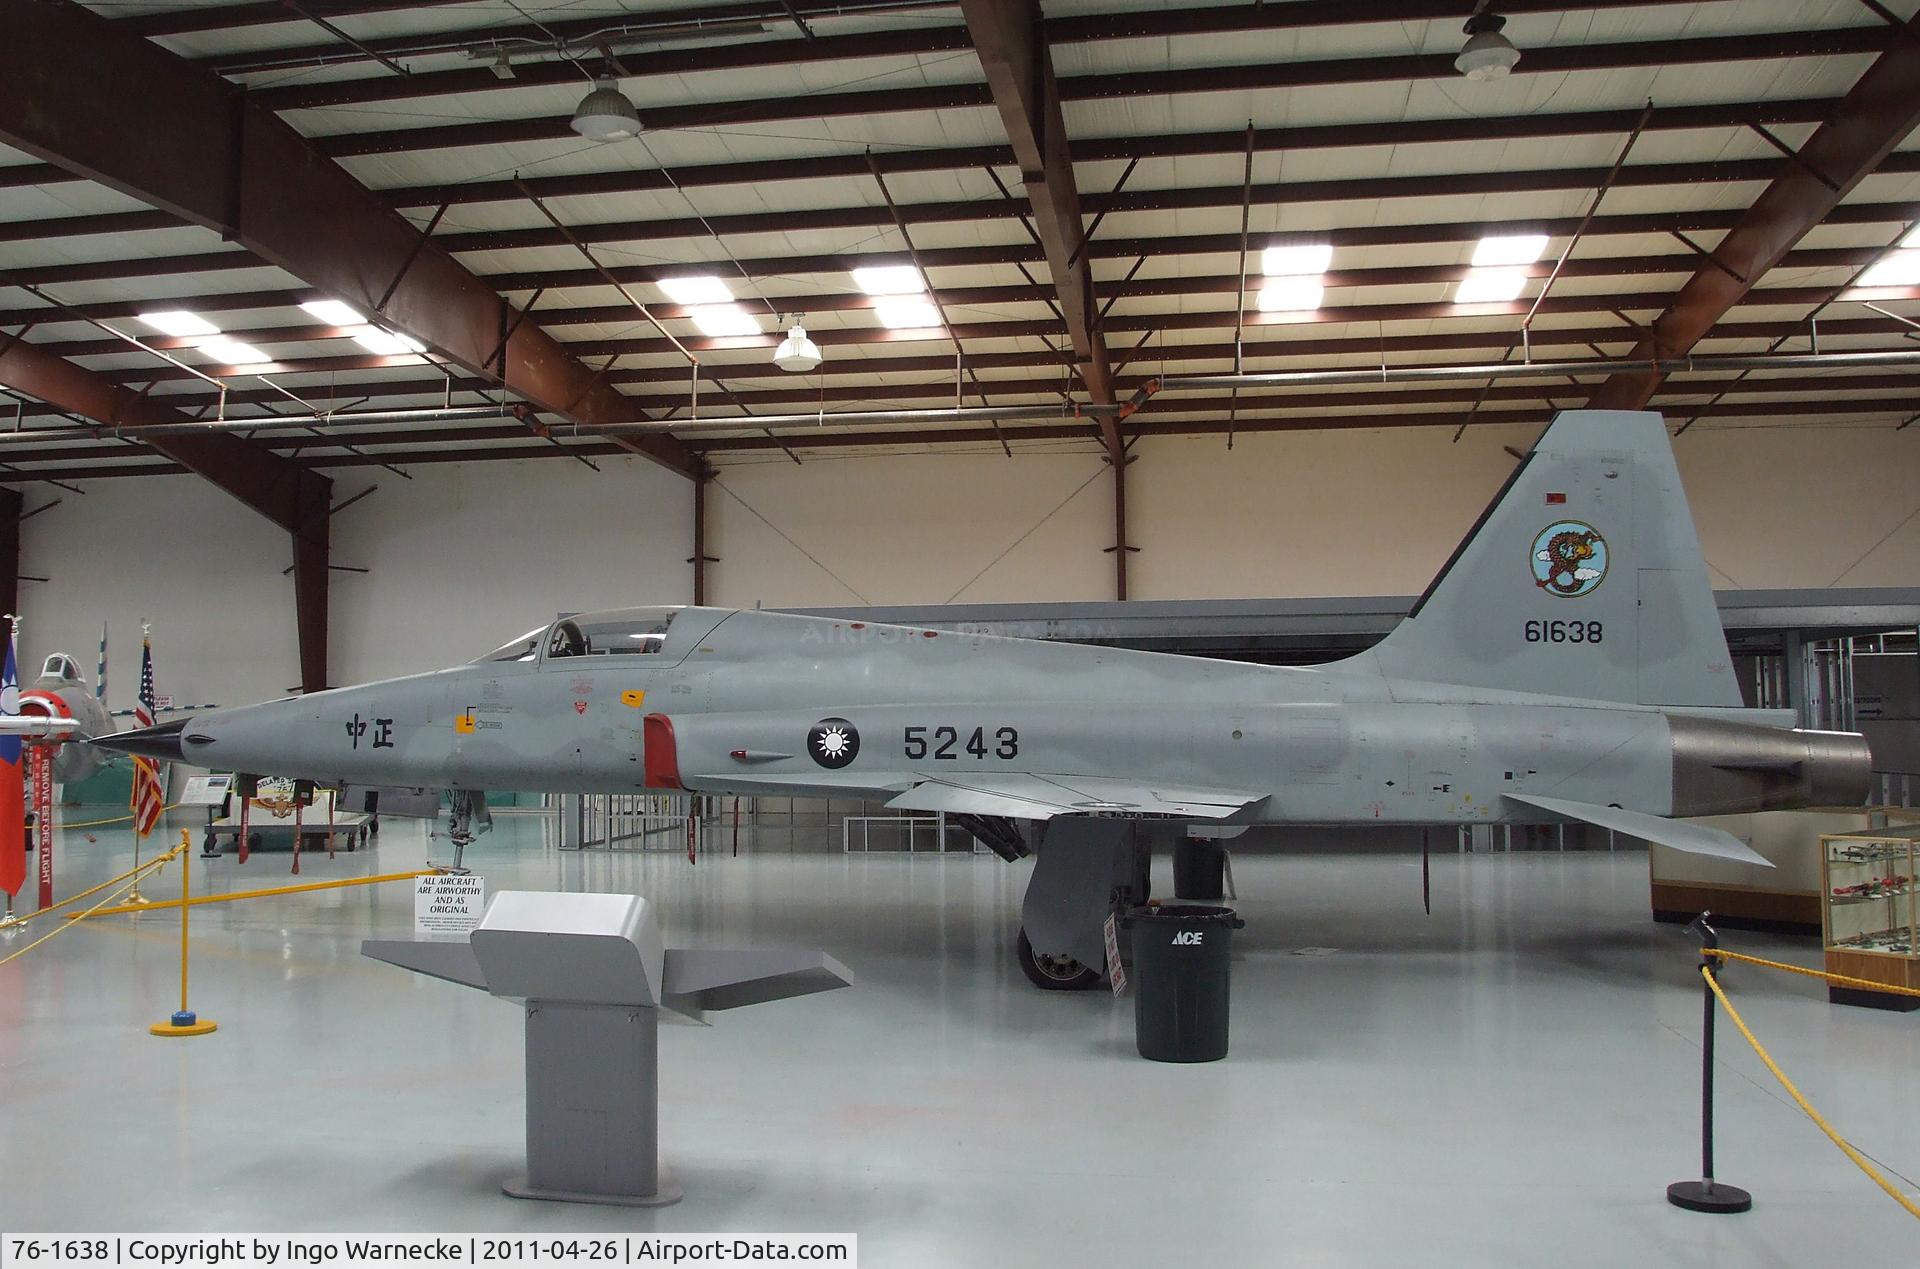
(1707, 1194)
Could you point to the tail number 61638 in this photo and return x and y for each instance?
(1564, 632)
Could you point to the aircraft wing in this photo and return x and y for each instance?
(1040, 797)
(1019, 795)
(30, 725)
(1695, 839)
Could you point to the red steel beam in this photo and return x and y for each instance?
(481, 448)
(990, 296)
(263, 13)
(1151, 323)
(283, 492)
(1276, 74)
(1315, 13)
(1178, 354)
(1876, 115)
(1019, 68)
(11, 505)
(1663, 223)
(1177, 198)
(206, 153)
(1440, 185)
(1023, 253)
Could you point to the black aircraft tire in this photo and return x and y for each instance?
(1055, 973)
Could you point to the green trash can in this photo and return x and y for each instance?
(1182, 972)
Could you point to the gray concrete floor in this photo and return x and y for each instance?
(1511, 1081)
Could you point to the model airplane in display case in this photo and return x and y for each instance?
(1567, 664)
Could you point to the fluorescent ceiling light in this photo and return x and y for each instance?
(334, 313)
(1898, 268)
(386, 343)
(724, 320)
(890, 279)
(231, 352)
(1491, 286)
(698, 288)
(1503, 249)
(907, 313)
(1291, 295)
(179, 323)
(1296, 260)
(1913, 237)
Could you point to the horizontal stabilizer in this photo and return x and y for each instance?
(1695, 839)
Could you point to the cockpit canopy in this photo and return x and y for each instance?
(613, 632)
(60, 666)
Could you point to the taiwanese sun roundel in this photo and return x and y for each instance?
(833, 742)
(1569, 559)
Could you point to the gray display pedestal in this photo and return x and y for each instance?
(593, 973)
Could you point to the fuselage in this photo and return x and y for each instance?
(741, 691)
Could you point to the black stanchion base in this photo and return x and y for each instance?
(1709, 1196)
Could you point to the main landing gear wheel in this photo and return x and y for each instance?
(1055, 973)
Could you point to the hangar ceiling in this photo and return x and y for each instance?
(1090, 195)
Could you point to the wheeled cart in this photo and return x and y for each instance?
(273, 824)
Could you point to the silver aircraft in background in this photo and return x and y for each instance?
(60, 711)
(1568, 664)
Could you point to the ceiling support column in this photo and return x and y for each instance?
(312, 586)
(701, 479)
(11, 505)
(1121, 547)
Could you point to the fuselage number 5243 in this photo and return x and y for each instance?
(945, 743)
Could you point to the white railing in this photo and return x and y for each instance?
(905, 835)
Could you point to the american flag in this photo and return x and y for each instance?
(149, 795)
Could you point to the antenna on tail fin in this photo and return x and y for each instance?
(1583, 578)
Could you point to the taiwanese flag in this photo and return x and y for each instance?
(13, 803)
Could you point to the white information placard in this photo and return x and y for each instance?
(448, 903)
(206, 790)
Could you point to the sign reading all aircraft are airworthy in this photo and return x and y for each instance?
(448, 903)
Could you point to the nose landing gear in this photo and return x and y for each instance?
(467, 818)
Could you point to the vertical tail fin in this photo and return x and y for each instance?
(1583, 578)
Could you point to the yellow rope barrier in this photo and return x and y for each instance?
(130, 874)
(161, 904)
(119, 819)
(1840, 979)
(1859, 1160)
(152, 864)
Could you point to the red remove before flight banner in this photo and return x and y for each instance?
(42, 768)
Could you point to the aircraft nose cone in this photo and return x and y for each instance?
(161, 743)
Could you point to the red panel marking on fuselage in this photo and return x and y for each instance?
(661, 768)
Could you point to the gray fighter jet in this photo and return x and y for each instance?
(1568, 664)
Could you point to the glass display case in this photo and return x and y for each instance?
(1870, 913)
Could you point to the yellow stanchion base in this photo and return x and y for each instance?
(191, 1026)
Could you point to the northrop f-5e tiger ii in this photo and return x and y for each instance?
(1567, 664)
